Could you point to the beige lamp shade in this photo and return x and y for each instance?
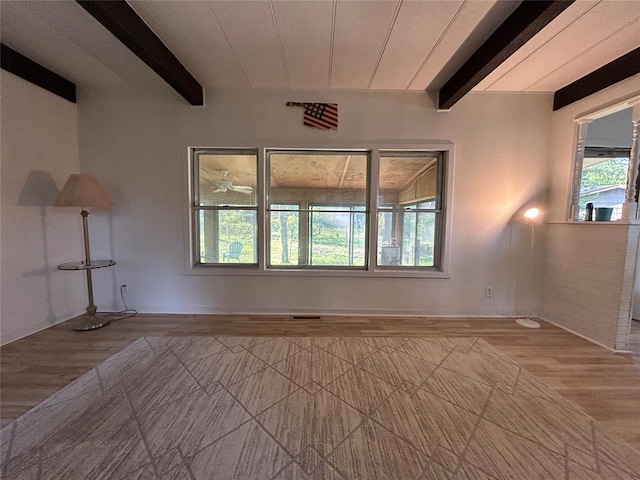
(532, 213)
(82, 190)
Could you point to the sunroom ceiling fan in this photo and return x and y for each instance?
(224, 185)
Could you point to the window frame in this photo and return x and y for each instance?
(309, 210)
(580, 138)
(442, 270)
(438, 210)
(196, 208)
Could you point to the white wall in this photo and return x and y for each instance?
(588, 279)
(39, 149)
(135, 143)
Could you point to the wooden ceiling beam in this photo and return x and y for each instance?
(613, 72)
(33, 72)
(125, 24)
(529, 18)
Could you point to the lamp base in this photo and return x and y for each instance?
(527, 323)
(90, 322)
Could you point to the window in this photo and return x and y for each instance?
(409, 209)
(318, 209)
(368, 212)
(604, 179)
(225, 206)
(602, 163)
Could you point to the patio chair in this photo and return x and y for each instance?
(234, 251)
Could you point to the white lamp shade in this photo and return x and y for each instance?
(82, 190)
(532, 213)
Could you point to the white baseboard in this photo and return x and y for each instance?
(585, 337)
(326, 312)
(30, 330)
(294, 311)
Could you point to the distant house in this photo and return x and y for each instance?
(608, 196)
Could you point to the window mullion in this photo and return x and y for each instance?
(264, 217)
(410, 210)
(222, 208)
(372, 208)
(195, 201)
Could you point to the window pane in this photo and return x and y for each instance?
(388, 245)
(285, 222)
(408, 179)
(408, 183)
(418, 239)
(301, 178)
(318, 208)
(227, 179)
(415, 243)
(607, 148)
(603, 183)
(228, 236)
(337, 239)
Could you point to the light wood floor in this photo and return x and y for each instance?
(604, 384)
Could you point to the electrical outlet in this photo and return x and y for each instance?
(125, 288)
(488, 291)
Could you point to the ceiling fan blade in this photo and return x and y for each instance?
(219, 190)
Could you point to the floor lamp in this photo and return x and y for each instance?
(530, 217)
(83, 190)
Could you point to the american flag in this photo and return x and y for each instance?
(319, 115)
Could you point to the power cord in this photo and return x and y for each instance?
(495, 305)
(127, 312)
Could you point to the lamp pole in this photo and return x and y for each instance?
(91, 308)
(530, 291)
(530, 216)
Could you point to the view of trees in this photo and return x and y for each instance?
(418, 241)
(284, 236)
(335, 238)
(608, 173)
(232, 226)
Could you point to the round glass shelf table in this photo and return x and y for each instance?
(82, 265)
(89, 321)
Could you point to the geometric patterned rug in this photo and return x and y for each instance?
(288, 408)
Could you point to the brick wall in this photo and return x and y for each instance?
(589, 279)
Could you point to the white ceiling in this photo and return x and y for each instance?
(323, 44)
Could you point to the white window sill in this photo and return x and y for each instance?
(250, 270)
(610, 223)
